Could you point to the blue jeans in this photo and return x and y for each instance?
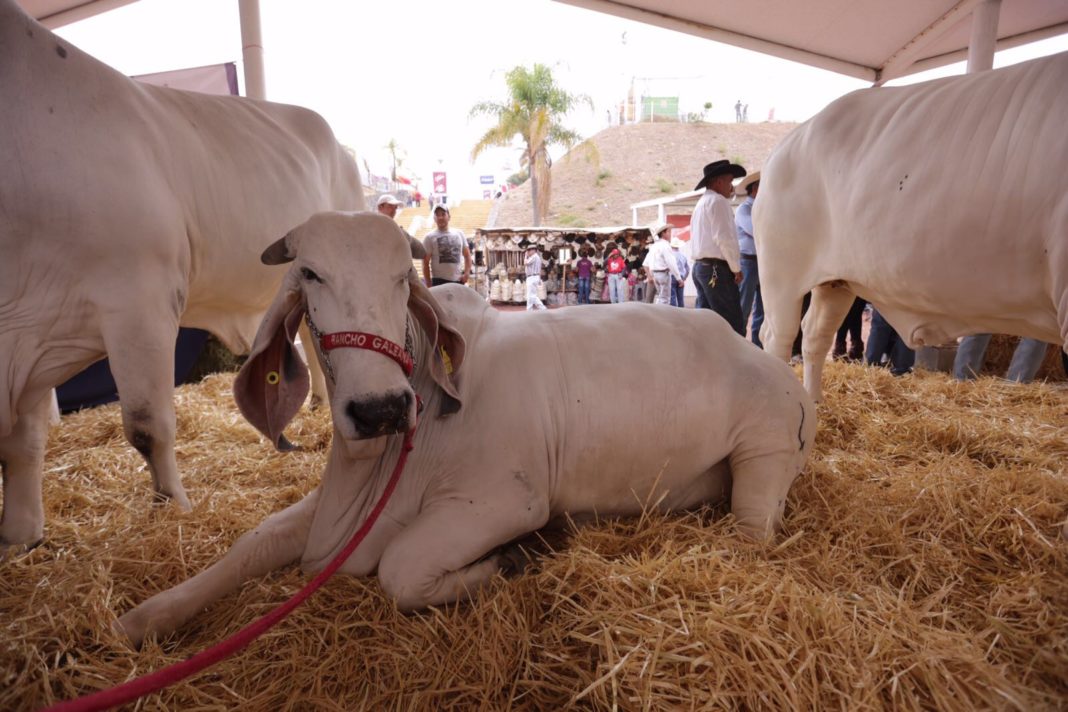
(883, 340)
(721, 297)
(749, 291)
(583, 290)
(1026, 359)
(678, 293)
(617, 288)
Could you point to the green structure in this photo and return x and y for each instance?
(660, 108)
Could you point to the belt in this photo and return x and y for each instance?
(709, 260)
(748, 257)
(660, 270)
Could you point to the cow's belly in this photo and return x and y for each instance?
(631, 488)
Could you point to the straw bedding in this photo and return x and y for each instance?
(920, 568)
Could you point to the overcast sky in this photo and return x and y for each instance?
(410, 71)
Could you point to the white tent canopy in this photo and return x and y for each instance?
(874, 40)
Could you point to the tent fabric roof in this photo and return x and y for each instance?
(874, 40)
(56, 13)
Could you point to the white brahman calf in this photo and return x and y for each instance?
(945, 204)
(127, 210)
(528, 417)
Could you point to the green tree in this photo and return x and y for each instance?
(397, 156)
(533, 111)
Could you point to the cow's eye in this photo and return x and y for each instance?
(309, 275)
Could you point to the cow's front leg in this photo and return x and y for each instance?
(21, 459)
(278, 541)
(142, 362)
(441, 556)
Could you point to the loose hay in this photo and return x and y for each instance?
(920, 568)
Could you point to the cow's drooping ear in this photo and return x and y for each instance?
(448, 344)
(273, 383)
(279, 252)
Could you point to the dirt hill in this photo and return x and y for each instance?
(636, 163)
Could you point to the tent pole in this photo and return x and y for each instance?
(984, 36)
(252, 49)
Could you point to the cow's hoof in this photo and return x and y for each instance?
(151, 618)
(515, 560)
(284, 445)
(15, 550)
(180, 500)
(125, 631)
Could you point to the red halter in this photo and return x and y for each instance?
(361, 340)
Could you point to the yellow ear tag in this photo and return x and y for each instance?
(272, 378)
(446, 360)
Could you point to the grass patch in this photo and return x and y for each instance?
(665, 186)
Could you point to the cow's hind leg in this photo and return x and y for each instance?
(142, 362)
(442, 556)
(21, 459)
(277, 541)
(830, 304)
(766, 464)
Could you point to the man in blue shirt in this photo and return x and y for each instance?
(678, 289)
(750, 286)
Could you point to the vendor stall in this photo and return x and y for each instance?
(504, 249)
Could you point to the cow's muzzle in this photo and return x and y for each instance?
(380, 415)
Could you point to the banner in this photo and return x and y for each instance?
(485, 180)
(440, 186)
(212, 79)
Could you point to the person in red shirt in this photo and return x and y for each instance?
(616, 267)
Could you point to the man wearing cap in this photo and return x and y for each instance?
(446, 251)
(750, 287)
(387, 205)
(716, 263)
(532, 263)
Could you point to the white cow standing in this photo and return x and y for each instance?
(539, 422)
(127, 210)
(945, 204)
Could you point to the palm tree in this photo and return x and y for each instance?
(396, 154)
(532, 111)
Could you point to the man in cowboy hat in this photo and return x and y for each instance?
(717, 270)
(750, 286)
(532, 263)
(661, 266)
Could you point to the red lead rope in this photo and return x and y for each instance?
(153, 682)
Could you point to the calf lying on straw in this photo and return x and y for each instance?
(541, 415)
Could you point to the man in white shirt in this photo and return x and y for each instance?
(445, 251)
(717, 269)
(532, 265)
(660, 264)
